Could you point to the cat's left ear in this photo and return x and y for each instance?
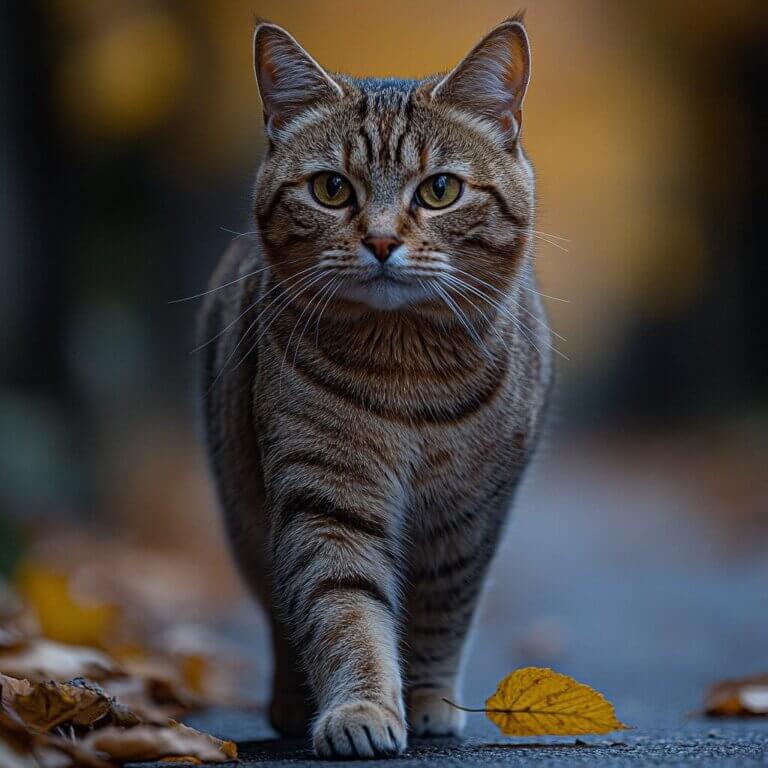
(290, 81)
(492, 79)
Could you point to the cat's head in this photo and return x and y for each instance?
(395, 193)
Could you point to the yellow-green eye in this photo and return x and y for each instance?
(438, 191)
(331, 190)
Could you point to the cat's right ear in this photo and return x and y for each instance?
(290, 81)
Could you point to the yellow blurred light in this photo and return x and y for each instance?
(127, 79)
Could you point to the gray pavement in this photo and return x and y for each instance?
(610, 572)
(695, 742)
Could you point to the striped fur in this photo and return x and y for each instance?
(366, 445)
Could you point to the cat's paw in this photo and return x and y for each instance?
(429, 715)
(359, 729)
(290, 714)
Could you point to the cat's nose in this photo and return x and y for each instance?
(381, 246)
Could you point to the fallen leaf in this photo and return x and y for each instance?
(49, 705)
(40, 660)
(62, 617)
(45, 706)
(22, 744)
(155, 683)
(536, 701)
(10, 687)
(150, 742)
(746, 696)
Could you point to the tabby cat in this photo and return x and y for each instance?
(376, 371)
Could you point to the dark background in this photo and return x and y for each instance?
(129, 132)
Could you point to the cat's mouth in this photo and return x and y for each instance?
(385, 289)
(385, 277)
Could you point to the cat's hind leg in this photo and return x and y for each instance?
(291, 706)
(436, 636)
(444, 590)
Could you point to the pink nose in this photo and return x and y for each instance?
(381, 246)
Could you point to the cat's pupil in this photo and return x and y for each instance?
(333, 186)
(438, 186)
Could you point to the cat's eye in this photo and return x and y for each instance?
(331, 190)
(438, 191)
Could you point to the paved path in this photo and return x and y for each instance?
(611, 573)
(699, 743)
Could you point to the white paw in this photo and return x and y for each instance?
(359, 729)
(429, 715)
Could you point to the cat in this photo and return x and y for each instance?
(377, 368)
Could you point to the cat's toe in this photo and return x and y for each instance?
(290, 714)
(429, 715)
(359, 729)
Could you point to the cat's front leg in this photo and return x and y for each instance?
(336, 585)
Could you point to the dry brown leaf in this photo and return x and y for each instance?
(52, 704)
(535, 701)
(44, 706)
(40, 660)
(155, 687)
(149, 742)
(142, 698)
(10, 687)
(23, 742)
(741, 697)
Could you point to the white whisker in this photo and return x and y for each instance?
(219, 287)
(253, 324)
(248, 309)
(238, 234)
(296, 325)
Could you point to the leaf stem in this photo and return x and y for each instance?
(463, 709)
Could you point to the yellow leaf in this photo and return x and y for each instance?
(539, 702)
(62, 617)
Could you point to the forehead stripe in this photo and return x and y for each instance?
(368, 144)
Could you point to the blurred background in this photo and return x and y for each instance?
(129, 133)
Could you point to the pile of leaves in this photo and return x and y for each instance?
(52, 725)
(95, 671)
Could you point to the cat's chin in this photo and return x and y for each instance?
(385, 294)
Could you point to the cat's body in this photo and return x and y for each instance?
(366, 433)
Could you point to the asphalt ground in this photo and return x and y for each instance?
(611, 572)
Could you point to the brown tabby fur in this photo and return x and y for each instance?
(366, 456)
